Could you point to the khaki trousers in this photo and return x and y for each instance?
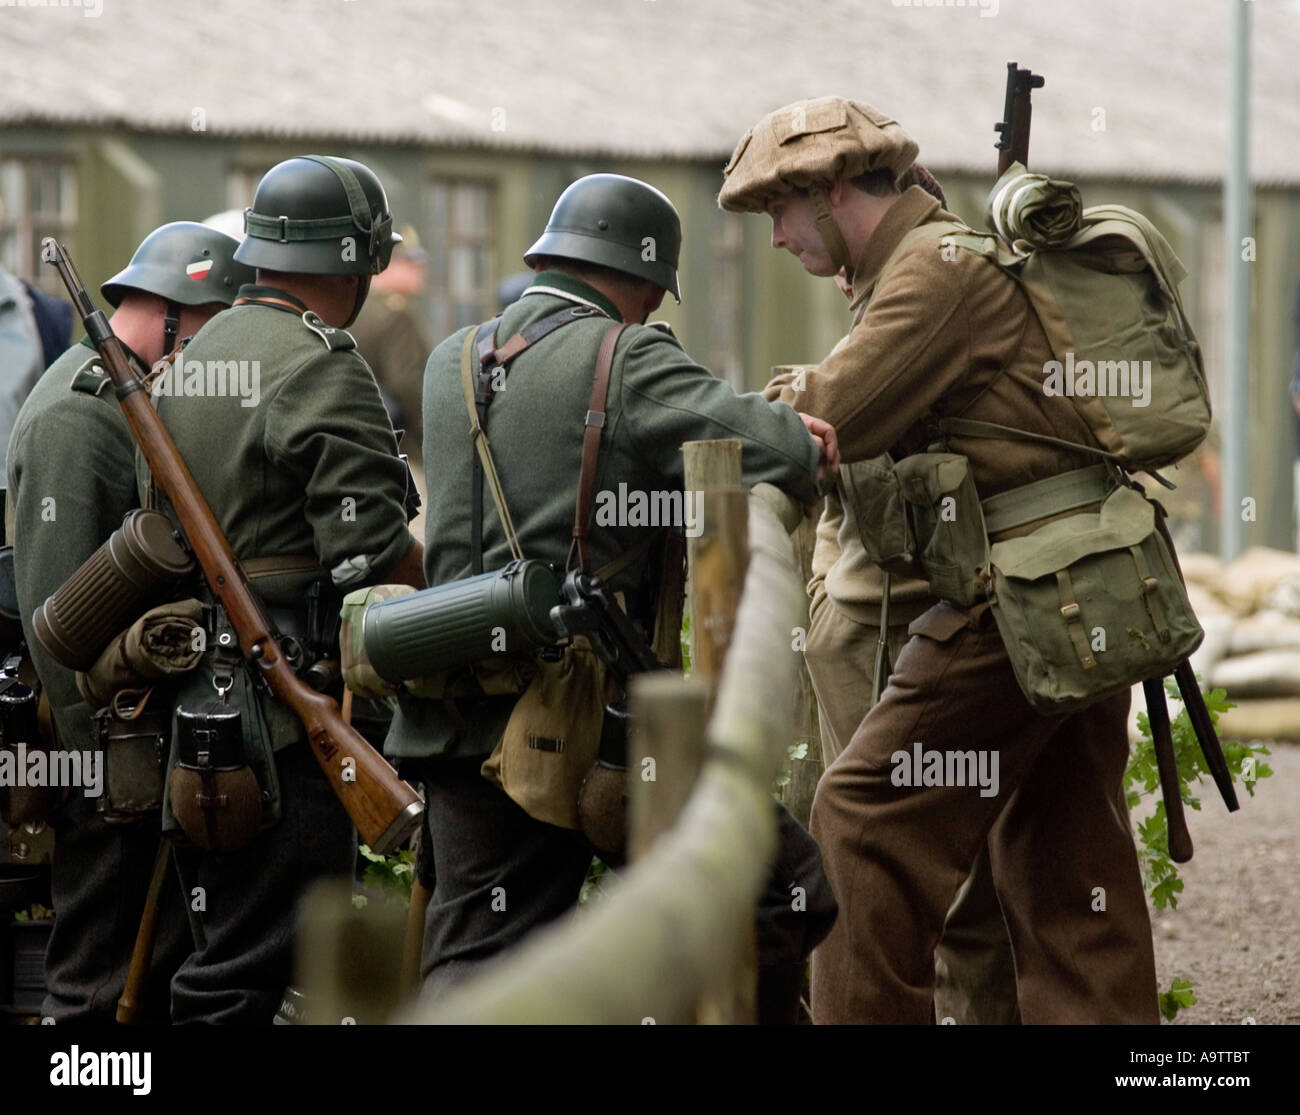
(1060, 849)
(974, 977)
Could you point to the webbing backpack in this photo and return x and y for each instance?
(1125, 354)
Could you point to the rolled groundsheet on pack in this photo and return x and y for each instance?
(160, 644)
(1043, 211)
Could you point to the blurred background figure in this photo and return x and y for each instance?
(395, 340)
(22, 359)
(229, 221)
(511, 288)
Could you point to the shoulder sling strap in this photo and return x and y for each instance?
(595, 423)
(479, 390)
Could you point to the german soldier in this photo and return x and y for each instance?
(71, 480)
(301, 470)
(608, 255)
(945, 334)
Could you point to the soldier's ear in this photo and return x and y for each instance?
(654, 299)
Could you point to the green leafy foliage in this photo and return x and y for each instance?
(794, 752)
(1142, 779)
(1179, 995)
(596, 884)
(386, 878)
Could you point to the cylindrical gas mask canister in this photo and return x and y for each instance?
(214, 793)
(437, 629)
(110, 590)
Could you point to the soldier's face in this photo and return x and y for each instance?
(794, 228)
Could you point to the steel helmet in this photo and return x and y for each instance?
(616, 222)
(183, 262)
(319, 215)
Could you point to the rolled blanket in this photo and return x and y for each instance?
(159, 644)
(1044, 212)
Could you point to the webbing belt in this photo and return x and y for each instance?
(1051, 496)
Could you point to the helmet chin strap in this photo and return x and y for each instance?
(830, 231)
(363, 289)
(171, 326)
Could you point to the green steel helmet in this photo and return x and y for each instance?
(319, 215)
(183, 262)
(617, 222)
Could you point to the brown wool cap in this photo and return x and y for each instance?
(811, 141)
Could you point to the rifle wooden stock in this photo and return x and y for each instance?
(381, 805)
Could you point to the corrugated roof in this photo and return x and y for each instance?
(679, 78)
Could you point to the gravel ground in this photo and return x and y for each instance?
(1235, 932)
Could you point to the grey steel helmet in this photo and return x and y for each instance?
(319, 215)
(617, 222)
(183, 262)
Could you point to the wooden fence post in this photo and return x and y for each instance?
(805, 773)
(669, 716)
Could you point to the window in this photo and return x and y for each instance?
(460, 245)
(38, 198)
(241, 183)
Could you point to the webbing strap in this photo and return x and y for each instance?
(482, 461)
(595, 423)
(1149, 588)
(359, 219)
(971, 427)
(830, 231)
(1051, 496)
(294, 229)
(479, 391)
(1073, 617)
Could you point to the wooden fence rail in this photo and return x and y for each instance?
(668, 934)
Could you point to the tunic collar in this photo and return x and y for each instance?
(263, 295)
(913, 209)
(558, 284)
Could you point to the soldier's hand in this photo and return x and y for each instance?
(823, 434)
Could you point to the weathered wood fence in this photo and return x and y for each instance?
(672, 939)
(668, 943)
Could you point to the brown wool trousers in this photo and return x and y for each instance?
(1057, 830)
(974, 976)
